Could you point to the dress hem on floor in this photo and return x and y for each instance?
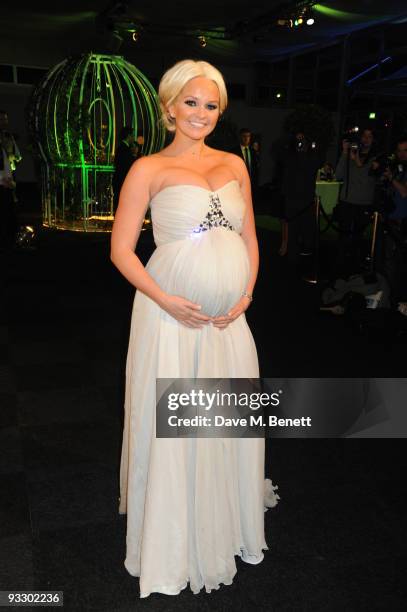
(270, 501)
(226, 581)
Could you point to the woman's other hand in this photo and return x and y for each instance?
(224, 320)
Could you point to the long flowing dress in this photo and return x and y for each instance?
(192, 504)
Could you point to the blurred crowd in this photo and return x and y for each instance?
(370, 216)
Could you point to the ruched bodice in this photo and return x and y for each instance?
(178, 210)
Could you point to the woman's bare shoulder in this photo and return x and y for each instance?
(148, 164)
(234, 159)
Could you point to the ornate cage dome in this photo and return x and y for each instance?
(76, 114)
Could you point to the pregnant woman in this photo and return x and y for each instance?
(192, 504)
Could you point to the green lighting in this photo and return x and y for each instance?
(337, 14)
(76, 115)
(372, 115)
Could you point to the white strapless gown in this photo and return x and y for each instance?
(192, 504)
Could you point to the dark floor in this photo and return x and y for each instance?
(337, 539)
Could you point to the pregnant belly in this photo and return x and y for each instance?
(211, 269)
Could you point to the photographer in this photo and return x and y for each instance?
(301, 162)
(397, 177)
(356, 198)
(391, 248)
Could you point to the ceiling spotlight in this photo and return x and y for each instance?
(309, 17)
(202, 41)
(299, 18)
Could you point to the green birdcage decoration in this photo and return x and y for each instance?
(76, 115)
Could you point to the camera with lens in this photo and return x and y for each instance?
(381, 164)
(387, 162)
(352, 137)
(384, 199)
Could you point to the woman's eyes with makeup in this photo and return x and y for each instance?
(193, 103)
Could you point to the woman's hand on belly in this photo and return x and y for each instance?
(186, 312)
(223, 321)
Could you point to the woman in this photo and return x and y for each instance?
(192, 504)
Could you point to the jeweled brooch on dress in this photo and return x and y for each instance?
(214, 216)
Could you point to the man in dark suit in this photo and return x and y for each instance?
(249, 156)
(123, 161)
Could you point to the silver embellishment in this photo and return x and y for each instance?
(214, 216)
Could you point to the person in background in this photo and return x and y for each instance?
(140, 143)
(137, 147)
(356, 197)
(397, 178)
(123, 160)
(391, 259)
(7, 141)
(256, 148)
(8, 218)
(249, 155)
(326, 173)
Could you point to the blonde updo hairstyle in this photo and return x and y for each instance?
(175, 78)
